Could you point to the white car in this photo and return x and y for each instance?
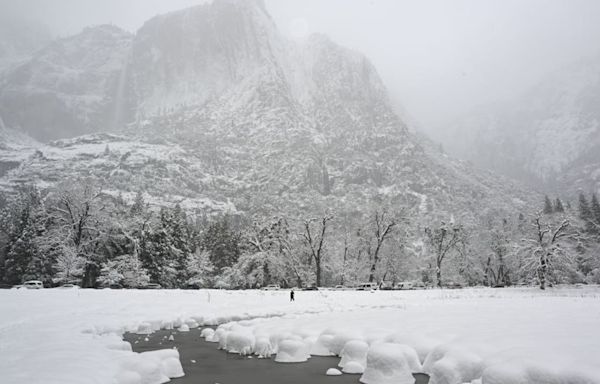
(367, 287)
(33, 284)
(271, 287)
(405, 285)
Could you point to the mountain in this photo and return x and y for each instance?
(550, 136)
(71, 87)
(226, 114)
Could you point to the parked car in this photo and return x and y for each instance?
(31, 284)
(310, 288)
(419, 285)
(453, 285)
(404, 285)
(367, 286)
(69, 286)
(271, 287)
(151, 286)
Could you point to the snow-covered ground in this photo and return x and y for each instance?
(497, 336)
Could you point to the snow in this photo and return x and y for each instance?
(292, 351)
(472, 335)
(354, 351)
(389, 363)
(333, 372)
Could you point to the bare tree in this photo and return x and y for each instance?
(314, 238)
(545, 246)
(75, 217)
(382, 226)
(443, 239)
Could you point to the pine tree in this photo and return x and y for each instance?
(585, 212)
(595, 210)
(548, 206)
(24, 225)
(222, 242)
(558, 206)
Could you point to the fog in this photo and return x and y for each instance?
(438, 58)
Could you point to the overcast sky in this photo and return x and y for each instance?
(439, 58)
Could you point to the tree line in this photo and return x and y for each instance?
(78, 233)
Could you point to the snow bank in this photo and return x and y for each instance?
(473, 335)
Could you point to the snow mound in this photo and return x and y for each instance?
(321, 347)
(207, 333)
(340, 339)
(354, 351)
(333, 372)
(292, 351)
(423, 345)
(353, 367)
(263, 347)
(240, 342)
(144, 329)
(389, 363)
(184, 328)
(454, 365)
(217, 335)
(154, 367)
(191, 323)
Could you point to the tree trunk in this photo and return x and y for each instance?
(372, 272)
(438, 275)
(318, 265)
(543, 271)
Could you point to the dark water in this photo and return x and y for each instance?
(216, 366)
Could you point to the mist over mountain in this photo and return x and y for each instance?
(548, 137)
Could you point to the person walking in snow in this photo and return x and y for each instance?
(292, 295)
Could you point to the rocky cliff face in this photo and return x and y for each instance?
(250, 122)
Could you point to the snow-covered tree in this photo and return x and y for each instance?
(442, 240)
(69, 265)
(546, 250)
(199, 268)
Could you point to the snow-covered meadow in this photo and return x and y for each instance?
(457, 336)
